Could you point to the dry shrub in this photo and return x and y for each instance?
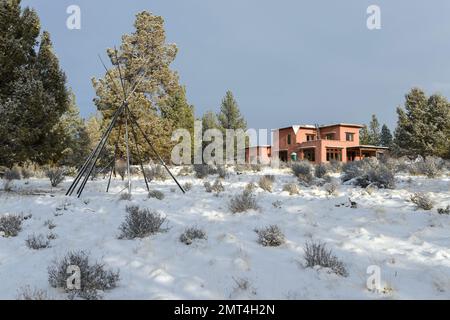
(317, 254)
(141, 223)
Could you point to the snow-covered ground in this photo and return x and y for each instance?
(411, 247)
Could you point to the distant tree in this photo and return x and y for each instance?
(33, 94)
(72, 137)
(230, 116)
(93, 129)
(374, 131)
(364, 137)
(209, 121)
(423, 126)
(386, 136)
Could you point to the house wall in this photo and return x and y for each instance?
(299, 142)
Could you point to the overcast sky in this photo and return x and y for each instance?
(286, 61)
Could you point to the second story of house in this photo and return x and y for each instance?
(290, 137)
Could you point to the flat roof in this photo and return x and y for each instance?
(368, 146)
(310, 126)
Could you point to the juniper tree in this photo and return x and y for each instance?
(33, 94)
(144, 54)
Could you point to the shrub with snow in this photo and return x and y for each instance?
(222, 172)
(37, 242)
(12, 174)
(368, 171)
(125, 196)
(217, 187)
(321, 170)
(185, 171)
(317, 254)
(422, 201)
(191, 234)
(203, 170)
(330, 188)
(156, 194)
(303, 171)
(10, 225)
(266, 183)
(94, 277)
(156, 172)
(49, 224)
(187, 186)
(445, 210)
(243, 202)
(28, 293)
(271, 236)
(56, 176)
(140, 223)
(430, 166)
(292, 188)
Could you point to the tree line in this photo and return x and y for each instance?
(423, 127)
(40, 120)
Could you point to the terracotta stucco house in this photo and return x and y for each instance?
(317, 144)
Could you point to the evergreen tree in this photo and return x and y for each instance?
(374, 131)
(145, 55)
(364, 138)
(386, 136)
(229, 116)
(33, 95)
(209, 121)
(72, 137)
(423, 125)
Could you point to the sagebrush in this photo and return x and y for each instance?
(191, 234)
(93, 276)
(140, 223)
(10, 225)
(243, 202)
(317, 254)
(271, 236)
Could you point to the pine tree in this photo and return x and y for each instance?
(145, 55)
(385, 137)
(229, 116)
(364, 137)
(423, 126)
(374, 131)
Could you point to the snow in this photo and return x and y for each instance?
(412, 247)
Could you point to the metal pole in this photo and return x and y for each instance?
(133, 131)
(113, 167)
(88, 160)
(128, 150)
(133, 118)
(81, 188)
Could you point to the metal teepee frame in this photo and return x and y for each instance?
(130, 123)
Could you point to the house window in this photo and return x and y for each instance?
(329, 136)
(310, 137)
(334, 154)
(288, 139)
(349, 136)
